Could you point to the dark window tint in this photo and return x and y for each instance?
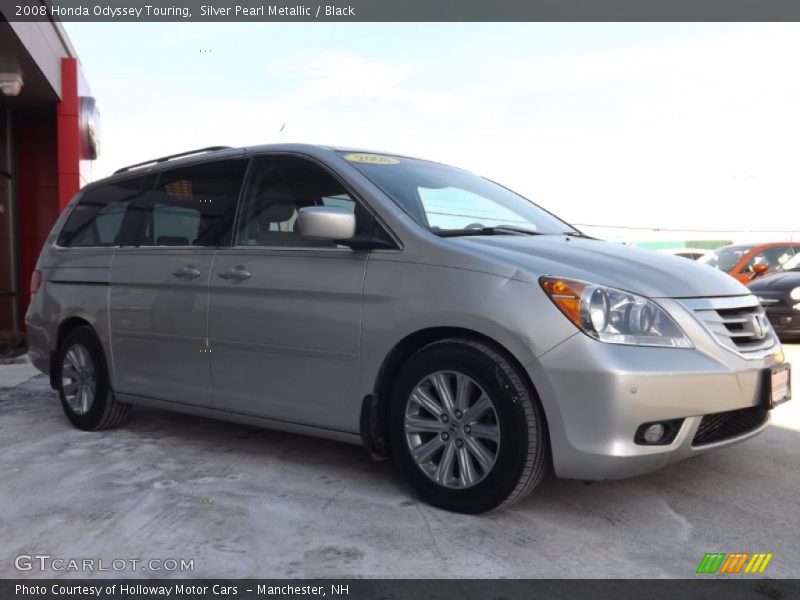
(277, 189)
(97, 218)
(194, 206)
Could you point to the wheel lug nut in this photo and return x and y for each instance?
(467, 428)
(459, 443)
(445, 418)
(445, 436)
(458, 414)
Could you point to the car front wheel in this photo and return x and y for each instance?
(466, 430)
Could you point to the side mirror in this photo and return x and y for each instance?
(760, 269)
(331, 223)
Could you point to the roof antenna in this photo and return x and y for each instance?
(282, 127)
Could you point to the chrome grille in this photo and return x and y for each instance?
(738, 323)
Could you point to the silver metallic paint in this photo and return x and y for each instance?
(326, 223)
(299, 344)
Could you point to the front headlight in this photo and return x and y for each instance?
(795, 294)
(614, 316)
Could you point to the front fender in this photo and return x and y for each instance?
(402, 298)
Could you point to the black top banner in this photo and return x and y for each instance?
(402, 10)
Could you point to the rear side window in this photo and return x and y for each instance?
(194, 206)
(96, 220)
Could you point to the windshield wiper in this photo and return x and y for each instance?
(578, 234)
(499, 230)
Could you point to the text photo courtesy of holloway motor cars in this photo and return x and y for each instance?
(399, 300)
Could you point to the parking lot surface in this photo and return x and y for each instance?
(245, 502)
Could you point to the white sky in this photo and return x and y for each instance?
(688, 126)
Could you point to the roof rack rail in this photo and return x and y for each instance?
(172, 156)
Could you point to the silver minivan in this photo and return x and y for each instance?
(418, 309)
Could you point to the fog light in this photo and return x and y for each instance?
(654, 433)
(660, 433)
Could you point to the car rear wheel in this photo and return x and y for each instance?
(83, 384)
(466, 430)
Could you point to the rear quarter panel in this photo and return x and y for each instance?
(74, 284)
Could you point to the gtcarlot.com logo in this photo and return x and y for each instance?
(45, 562)
(734, 563)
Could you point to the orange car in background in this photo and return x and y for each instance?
(745, 262)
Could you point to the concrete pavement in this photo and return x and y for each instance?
(16, 371)
(244, 502)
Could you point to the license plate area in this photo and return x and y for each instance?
(777, 384)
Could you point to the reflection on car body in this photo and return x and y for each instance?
(412, 307)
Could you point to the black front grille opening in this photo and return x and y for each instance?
(737, 329)
(718, 427)
(735, 312)
(750, 339)
(740, 334)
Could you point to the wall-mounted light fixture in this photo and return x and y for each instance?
(10, 84)
(89, 123)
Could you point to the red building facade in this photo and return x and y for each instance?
(48, 135)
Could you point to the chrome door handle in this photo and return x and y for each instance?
(236, 273)
(188, 272)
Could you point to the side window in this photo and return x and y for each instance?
(194, 206)
(97, 218)
(277, 188)
(771, 257)
(341, 201)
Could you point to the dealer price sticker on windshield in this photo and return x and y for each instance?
(371, 159)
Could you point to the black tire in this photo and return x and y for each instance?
(522, 456)
(105, 411)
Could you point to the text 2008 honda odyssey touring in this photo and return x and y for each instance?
(420, 309)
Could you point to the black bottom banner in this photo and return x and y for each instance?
(400, 589)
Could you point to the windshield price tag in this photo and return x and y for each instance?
(371, 159)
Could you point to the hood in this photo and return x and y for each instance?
(776, 281)
(645, 272)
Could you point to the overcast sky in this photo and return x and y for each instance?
(691, 125)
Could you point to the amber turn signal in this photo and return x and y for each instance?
(566, 295)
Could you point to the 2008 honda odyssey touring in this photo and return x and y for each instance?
(416, 308)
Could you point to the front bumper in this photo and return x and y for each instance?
(597, 395)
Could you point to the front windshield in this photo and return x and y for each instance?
(446, 199)
(725, 258)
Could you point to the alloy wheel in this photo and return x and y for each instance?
(78, 381)
(452, 429)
